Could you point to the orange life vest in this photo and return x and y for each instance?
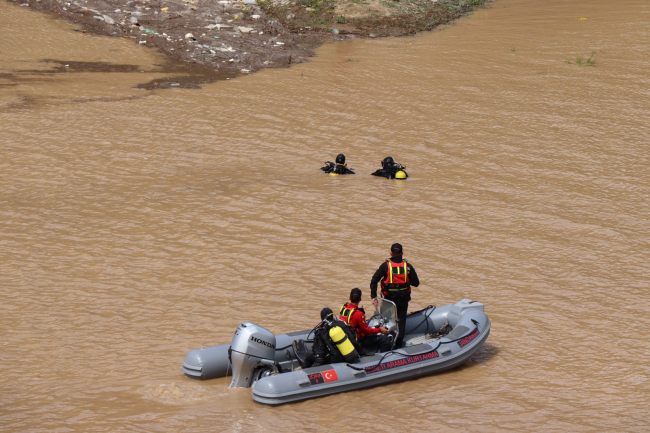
(346, 314)
(397, 283)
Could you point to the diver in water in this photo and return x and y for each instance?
(338, 167)
(391, 169)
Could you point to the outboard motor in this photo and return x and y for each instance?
(252, 354)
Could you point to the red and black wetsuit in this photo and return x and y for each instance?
(370, 338)
(356, 318)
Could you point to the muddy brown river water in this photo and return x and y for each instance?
(136, 225)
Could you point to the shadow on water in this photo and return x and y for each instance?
(27, 102)
(484, 354)
(189, 77)
(177, 74)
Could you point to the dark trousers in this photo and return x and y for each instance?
(402, 308)
(376, 343)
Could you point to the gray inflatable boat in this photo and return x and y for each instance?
(437, 339)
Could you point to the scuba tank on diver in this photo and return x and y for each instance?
(391, 169)
(400, 174)
(343, 343)
(339, 339)
(334, 341)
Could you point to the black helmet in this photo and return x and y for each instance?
(325, 312)
(387, 162)
(340, 159)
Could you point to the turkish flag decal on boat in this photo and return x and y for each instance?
(329, 375)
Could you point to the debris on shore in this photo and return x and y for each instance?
(243, 36)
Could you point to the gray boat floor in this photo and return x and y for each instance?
(414, 340)
(411, 341)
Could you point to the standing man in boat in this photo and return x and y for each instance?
(396, 276)
(371, 339)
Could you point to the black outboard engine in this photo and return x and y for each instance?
(252, 354)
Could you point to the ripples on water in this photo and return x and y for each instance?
(134, 231)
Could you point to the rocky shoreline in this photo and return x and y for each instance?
(218, 39)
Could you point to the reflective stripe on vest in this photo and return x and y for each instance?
(346, 313)
(401, 273)
(397, 279)
(346, 316)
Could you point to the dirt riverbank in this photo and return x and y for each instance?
(216, 39)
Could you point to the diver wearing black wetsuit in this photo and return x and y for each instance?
(390, 168)
(324, 350)
(338, 167)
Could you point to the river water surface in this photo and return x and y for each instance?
(137, 225)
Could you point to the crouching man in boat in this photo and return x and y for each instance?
(371, 339)
(334, 341)
(396, 276)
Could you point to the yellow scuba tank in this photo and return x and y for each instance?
(343, 344)
(333, 174)
(400, 175)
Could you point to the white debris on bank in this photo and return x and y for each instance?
(225, 31)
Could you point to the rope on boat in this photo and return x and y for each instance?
(426, 317)
(407, 354)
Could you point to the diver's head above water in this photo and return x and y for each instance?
(391, 169)
(338, 167)
(387, 162)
